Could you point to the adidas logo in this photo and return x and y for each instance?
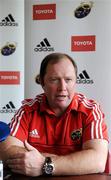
(84, 78)
(8, 21)
(34, 133)
(8, 108)
(44, 46)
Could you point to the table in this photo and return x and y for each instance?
(82, 177)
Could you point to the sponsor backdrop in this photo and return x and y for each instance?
(80, 28)
(11, 57)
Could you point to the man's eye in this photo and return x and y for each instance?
(68, 80)
(54, 80)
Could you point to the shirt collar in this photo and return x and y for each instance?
(44, 107)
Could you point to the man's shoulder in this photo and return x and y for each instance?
(83, 98)
(32, 104)
(85, 104)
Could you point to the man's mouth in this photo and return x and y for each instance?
(61, 97)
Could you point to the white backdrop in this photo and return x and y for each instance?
(54, 21)
(51, 26)
(11, 57)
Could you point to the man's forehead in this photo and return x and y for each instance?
(60, 61)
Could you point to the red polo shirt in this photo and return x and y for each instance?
(82, 121)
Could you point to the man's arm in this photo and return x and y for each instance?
(21, 157)
(25, 159)
(92, 159)
(10, 146)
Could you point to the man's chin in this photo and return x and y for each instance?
(63, 104)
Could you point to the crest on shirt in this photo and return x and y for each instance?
(76, 134)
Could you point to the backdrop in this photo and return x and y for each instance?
(11, 57)
(81, 29)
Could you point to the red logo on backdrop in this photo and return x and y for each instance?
(44, 11)
(83, 43)
(9, 77)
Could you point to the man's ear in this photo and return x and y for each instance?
(37, 79)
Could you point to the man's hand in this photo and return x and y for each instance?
(28, 163)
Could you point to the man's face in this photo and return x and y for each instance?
(59, 83)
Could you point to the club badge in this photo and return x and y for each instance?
(8, 49)
(76, 134)
(83, 10)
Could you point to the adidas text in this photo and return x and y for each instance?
(8, 24)
(84, 81)
(7, 111)
(43, 49)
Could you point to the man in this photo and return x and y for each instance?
(60, 132)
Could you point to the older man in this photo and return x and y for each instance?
(60, 132)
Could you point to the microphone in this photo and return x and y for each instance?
(4, 131)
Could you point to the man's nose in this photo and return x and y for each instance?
(62, 85)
